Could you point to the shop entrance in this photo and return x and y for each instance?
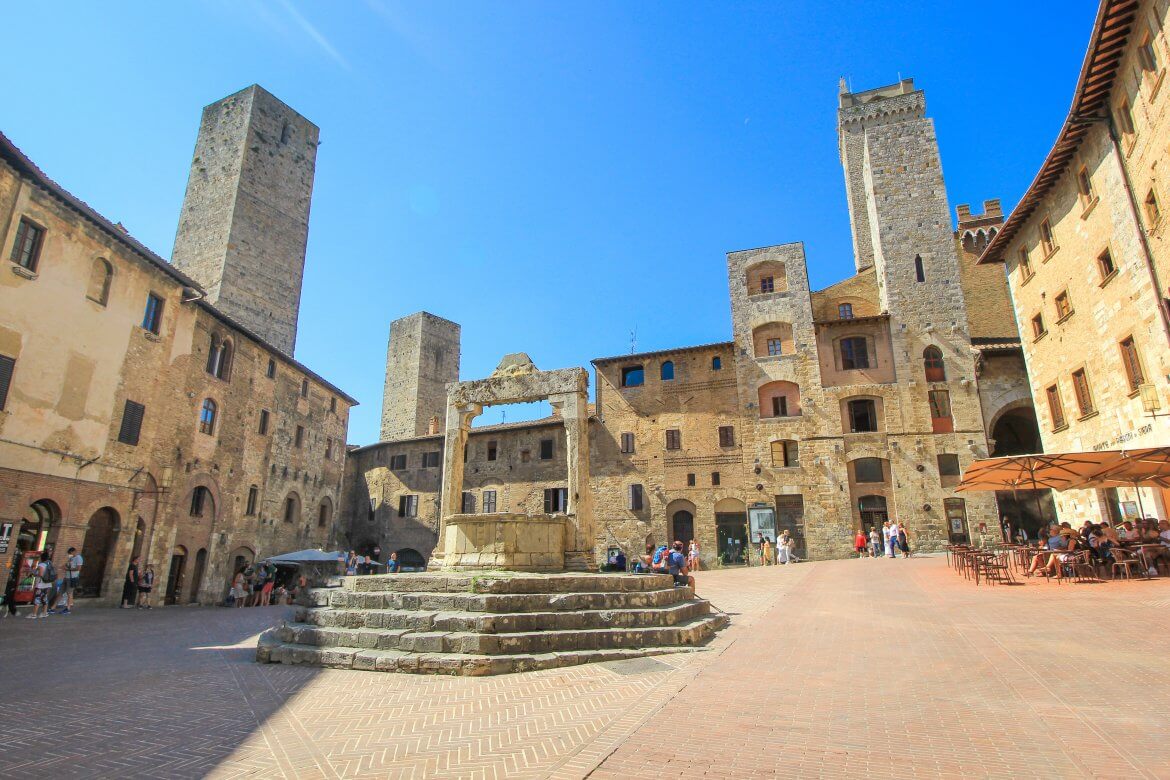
(790, 518)
(873, 513)
(175, 575)
(731, 536)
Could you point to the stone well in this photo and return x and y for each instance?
(515, 542)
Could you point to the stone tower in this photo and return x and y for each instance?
(245, 218)
(421, 359)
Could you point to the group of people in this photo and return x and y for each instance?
(783, 552)
(138, 587)
(355, 564)
(892, 538)
(258, 585)
(54, 587)
(667, 560)
(1102, 540)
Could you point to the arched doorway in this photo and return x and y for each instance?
(197, 574)
(731, 531)
(101, 534)
(680, 521)
(873, 512)
(1016, 433)
(175, 575)
(410, 559)
(41, 528)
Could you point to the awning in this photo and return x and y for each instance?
(1147, 467)
(308, 556)
(1059, 471)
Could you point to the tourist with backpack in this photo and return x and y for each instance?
(46, 576)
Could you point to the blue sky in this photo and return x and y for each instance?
(551, 175)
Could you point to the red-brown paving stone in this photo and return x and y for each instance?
(839, 669)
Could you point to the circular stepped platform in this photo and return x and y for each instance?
(489, 623)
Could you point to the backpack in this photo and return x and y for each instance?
(50, 574)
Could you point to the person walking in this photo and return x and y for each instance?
(765, 552)
(130, 586)
(238, 592)
(904, 540)
(892, 546)
(875, 542)
(860, 543)
(46, 576)
(693, 556)
(146, 587)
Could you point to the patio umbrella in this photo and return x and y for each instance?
(1149, 467)
(1056, 471)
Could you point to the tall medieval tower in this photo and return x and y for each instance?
(422, 358)
(245, 218)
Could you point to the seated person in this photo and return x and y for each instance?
(1061, 543)
(1099, 545)
(658, 563)
(1110, 532)
(618, 561)
(642, 565)
(677, 566)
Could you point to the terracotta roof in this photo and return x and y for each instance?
(12, 155)
(1106, 47)
(637, 355)
(994, 344)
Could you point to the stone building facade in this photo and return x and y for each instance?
(137, 417)
(1087, 256)
(826, 412)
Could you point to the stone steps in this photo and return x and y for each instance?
(502, 602)
(490, 622)
(442, 663)
(690, 631)
(501, 623)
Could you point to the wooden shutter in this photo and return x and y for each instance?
(132, 416)
(7, 366)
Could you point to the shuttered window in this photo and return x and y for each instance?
(26, 250)
(7, 366)
(132, 416)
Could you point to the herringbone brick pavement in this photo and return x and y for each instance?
(847, 668)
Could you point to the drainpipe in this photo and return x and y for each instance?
(1135, 213)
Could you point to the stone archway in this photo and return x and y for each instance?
(680, 521)
(97, 550)
(1014, 431)
(41, 528)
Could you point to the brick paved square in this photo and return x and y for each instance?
(844, 668)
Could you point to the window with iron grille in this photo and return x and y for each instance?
(132, 414)
(26, 250)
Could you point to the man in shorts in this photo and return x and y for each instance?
(67, 582)
(676, 565)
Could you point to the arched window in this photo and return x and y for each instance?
(667, 371)
(207, 417)
(919, 271)
(199, 498)
(766, 277)
(779, 399)
(99, 281)
(854, 353)
(867, 470)
(292, 508)
(772, 339)
(932, 361)
(219, 357)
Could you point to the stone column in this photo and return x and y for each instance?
(459, 419)
(579, 536)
